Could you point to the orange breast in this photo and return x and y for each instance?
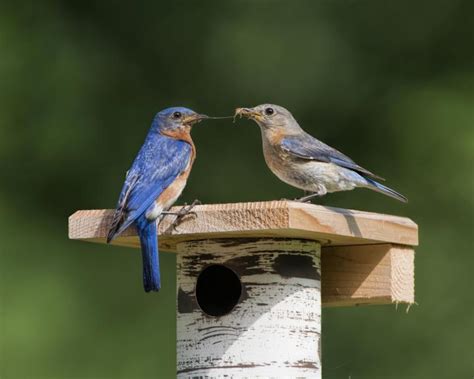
(183, 134)
(173, 191)
(275, 136)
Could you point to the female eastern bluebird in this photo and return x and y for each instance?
(304, 162)
(154, 182)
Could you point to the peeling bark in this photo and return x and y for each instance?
(273, 331)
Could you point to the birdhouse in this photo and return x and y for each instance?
(252, 278)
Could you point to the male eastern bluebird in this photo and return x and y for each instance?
(154, 182)
(304, 162)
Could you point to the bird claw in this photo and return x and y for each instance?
(302, 200)
(298, 200)
(183, 212)
(307, 199)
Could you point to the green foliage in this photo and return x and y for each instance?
(391, 84)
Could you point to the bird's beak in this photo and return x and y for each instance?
(248, 113)
(195, 118)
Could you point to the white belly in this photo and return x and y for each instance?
(154, 212)
(167, 198)
(318, 177)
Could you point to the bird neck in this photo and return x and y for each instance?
(274, 135)
(182, 134)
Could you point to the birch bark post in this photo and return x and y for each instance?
(273, 331)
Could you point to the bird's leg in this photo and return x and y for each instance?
(305, 193)
(307, 198)
(184, 211)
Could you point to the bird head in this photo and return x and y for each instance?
(269, 117)
(177, 119)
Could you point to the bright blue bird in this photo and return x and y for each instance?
(154, 182)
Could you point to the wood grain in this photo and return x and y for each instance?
(367, 258)
(288, 219)
(273, 331)
(372, 274)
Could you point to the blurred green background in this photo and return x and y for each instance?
(390, 83)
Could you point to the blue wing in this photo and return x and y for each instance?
(307, 147)
(160, 161)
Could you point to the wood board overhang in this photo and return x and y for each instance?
(278, 219)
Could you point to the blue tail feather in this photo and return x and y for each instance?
(376, 186)
(147, 231)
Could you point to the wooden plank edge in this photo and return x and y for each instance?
(371, 274)
(376, 227)
(304, 220)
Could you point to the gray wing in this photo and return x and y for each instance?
(307, 147)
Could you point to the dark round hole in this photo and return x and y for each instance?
(218, 290)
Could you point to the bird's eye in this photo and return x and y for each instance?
(269, 111)
(177, 115)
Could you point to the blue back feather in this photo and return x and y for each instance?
(159, 162)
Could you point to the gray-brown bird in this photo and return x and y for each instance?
(304, 162)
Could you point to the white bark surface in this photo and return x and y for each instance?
(274, 330)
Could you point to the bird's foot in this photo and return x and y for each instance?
(307, 198)
(182, 213)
